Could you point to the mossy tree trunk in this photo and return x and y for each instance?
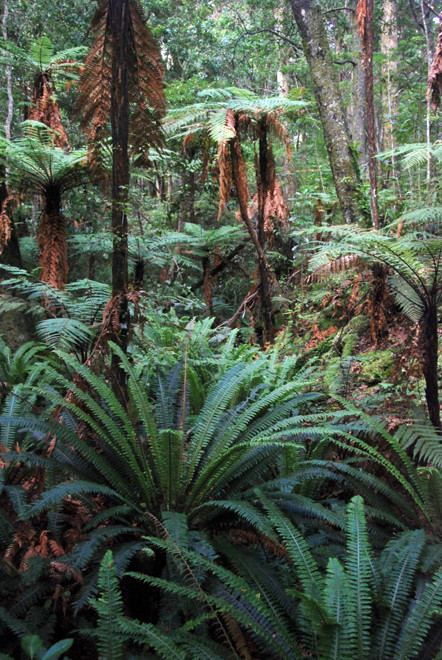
(343, 160)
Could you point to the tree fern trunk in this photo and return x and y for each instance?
(119, 33)
(51, 238)
(265, 272)
(429, 344)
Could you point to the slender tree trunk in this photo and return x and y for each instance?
(427, 118)
(359, 103)
(389, 44)
(8, 119)
(118, 25)
(343, 161)
(429, 345)
(364, 18)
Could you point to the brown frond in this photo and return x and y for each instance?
(238, 638)
(51, 239)
(275, 208)
(271, 205)
(243, 122)
(5, 222)
(281, 132)
(225, 176)
(360, 16)
(231, 121)
(188, 139)
(333, 267)
(23, 537)
(146, 75)
(435, 75)
(56, 549)
(319, 336)
(44, 109)
(58, 569)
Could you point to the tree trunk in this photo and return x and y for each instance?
(389, 44)
(118, 25)
(429, 345)
(358, 93)
(343, 162)
(8, 119)
(365, 25)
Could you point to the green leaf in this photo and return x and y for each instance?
(31, 644)
(57, 649)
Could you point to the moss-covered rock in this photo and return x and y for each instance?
(377, 366)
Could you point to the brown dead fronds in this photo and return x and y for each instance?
(146, 93)
(51, 239)
(334, 267)
(360, 16)
(5, 221)
(45, 109)
(225, 176)
(435, 75)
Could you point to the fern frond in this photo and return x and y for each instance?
(419, 620)
(358, 570)
(109, 606)
(396, 589)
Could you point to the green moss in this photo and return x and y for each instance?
(356, 328)
(377, 366)
(331, 377)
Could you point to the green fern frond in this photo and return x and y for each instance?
(399, 572)
(109, 606)
(358, 570)
(296, 547)
(337, 646)
(419, 620)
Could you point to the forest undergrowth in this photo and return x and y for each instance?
(220, 422)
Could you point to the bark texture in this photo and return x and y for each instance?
(358, 97)
(343, 162)
(364, 19)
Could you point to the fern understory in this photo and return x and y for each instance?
(262, 478)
